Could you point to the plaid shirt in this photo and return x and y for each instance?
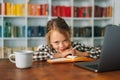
(44, 52)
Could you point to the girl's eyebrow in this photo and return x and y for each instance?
(55, 41)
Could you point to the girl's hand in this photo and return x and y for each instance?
(72, 52)
(68, 52)
(64, 53)
(81, 54)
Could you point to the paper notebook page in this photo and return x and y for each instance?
(58, 59)
(71, 57)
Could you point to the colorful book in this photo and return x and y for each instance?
(0, 31)
(0, 52)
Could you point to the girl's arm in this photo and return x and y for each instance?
(42, 53)
(82, 50)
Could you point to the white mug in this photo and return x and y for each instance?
(23, 59)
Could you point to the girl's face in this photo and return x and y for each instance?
(58, 41)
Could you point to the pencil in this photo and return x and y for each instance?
(74, 49)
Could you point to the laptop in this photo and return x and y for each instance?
(110, 53)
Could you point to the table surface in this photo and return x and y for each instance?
(45, 71)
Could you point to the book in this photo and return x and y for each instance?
(69, 59)
(0, 52)
(54, 11)
(0, 31)
(0, 8)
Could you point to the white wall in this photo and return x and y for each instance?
(117, 12)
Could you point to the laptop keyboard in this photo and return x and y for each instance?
(94, 66)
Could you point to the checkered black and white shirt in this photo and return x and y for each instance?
(44, 52)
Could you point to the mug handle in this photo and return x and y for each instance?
(13, 61)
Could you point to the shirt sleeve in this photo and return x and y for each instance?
(42, 53)
(94, 52)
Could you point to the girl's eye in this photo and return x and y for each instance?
(56, 42)
(65, 40)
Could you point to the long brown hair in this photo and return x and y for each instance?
(60, 25)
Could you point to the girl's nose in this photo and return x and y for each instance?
(61, 45)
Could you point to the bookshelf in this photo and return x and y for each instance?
(23, 22)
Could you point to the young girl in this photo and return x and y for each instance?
(59, 44)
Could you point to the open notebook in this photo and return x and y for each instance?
(69, 59)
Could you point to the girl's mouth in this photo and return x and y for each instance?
(63, 49)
